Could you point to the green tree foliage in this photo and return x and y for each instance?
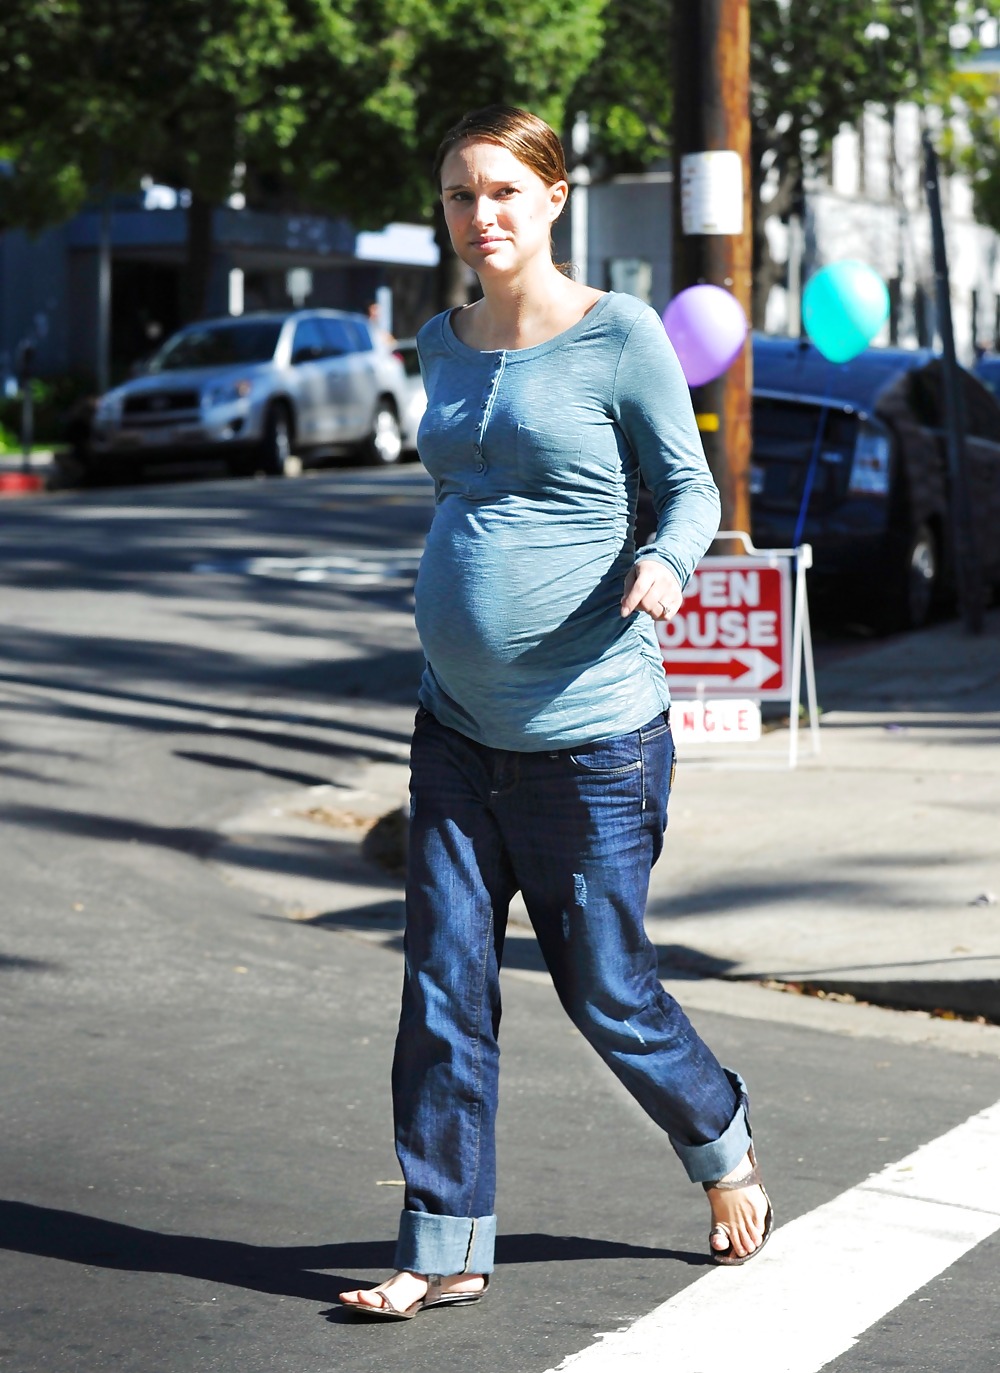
(626, 91)
(971, 143)
(99, 93)
(813, 67)
(337, 104)
(370, 131)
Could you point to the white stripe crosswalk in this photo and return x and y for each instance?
(828, 1276)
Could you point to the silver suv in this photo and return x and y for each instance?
(257, 390)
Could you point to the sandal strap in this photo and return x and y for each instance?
(387, 1303)
(751, 1179)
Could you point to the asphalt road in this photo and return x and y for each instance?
(195, 1152)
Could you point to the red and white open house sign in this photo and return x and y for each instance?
(732, 634)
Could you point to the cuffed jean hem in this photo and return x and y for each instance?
(445, 1244)
(711, 1161)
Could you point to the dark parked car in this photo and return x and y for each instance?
(987, 369)
(255, 391)
(877, 515)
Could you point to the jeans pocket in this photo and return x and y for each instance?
(656, 728)
(608, 757)
(659, 763)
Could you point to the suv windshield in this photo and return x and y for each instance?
(217, 345)
(784, 439)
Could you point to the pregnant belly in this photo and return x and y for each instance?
(504, 596)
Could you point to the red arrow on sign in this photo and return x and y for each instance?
(749, 667)
(700, 668)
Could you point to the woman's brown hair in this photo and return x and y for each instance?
(519, 131)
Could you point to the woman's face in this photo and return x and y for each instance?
(499, 212)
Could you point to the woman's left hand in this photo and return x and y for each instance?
(652, 587)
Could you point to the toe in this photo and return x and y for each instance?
(372, 1296)
(718, 1238)
(364, 1296)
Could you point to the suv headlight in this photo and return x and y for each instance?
(227, 392)
(109, 408)
(870, 467)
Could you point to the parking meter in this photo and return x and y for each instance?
(25, 368)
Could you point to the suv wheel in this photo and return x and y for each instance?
(276, 448)
(385, 442)
(921, 576)
(914, 583)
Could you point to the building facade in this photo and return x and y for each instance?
(867, 202)
(50, 284)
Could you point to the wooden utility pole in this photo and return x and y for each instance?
(965, 553)
(712, 115)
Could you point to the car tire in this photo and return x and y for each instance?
(241, 465)
(914, 583)
(98, 472)
(384, 445)
(276, 448)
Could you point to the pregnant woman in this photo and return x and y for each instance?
(542, 756)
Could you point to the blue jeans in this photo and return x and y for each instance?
(577, 831)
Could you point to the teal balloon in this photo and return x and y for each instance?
(843, 307)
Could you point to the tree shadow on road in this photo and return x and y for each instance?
(294, 855)
(384, 920)
(302, 713)
(311, 1272)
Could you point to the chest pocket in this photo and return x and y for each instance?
(544, 458)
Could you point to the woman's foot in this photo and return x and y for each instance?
(405, 1291)
(741, 1215)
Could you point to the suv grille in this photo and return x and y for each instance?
(152, 404)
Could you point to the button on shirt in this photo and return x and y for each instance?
(536, 455)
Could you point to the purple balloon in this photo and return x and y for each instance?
(707, 328)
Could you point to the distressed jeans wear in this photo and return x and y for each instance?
(577, 831)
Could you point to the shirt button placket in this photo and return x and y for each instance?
(481, 431)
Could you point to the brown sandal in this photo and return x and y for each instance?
(432, 1297)
(752, 1179)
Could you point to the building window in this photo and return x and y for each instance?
(924, 317)
(895, 301)
(633, 275)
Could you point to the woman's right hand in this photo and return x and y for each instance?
(651, 586)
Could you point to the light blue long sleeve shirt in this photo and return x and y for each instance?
(536, 455)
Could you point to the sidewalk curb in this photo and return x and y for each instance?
(14, 484)
(19, 478)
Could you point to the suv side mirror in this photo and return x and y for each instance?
(310, 353)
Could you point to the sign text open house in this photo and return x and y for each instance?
(732, 634)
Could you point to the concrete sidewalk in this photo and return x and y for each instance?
(872, 870)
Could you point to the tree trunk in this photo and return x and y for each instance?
(768, 273)
(450, 287)
(198, 267)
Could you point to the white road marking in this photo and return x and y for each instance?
(828, 1276)
(391, 569)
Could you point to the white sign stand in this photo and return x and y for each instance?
(799, 561)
